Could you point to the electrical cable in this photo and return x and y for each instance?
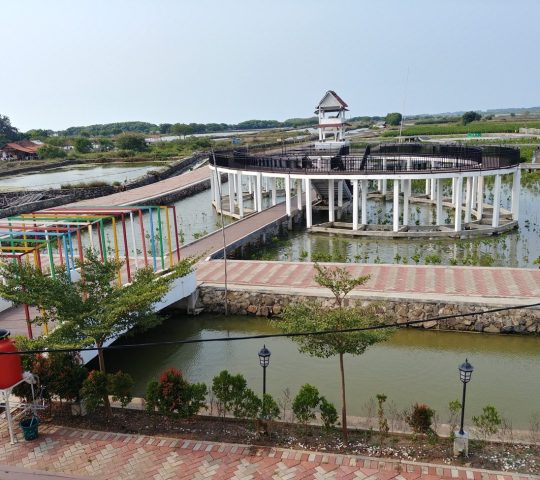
(272, 335)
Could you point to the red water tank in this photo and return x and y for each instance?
(10, 365)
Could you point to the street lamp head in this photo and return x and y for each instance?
(264, 356)
(465, 371)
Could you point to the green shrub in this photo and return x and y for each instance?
(174, 396)
(305, 403)
(270, 410)
(329, 415)
(50, 151)
(488, 422)
(120, 386)
(420, 418)
(94, 389)
(228, 390)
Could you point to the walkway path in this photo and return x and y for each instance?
(501, 286)
(119, 456)
(148, 192)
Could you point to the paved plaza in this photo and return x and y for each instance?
(89, 454)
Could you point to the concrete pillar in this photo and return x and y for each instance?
(453, 191)
(384, 187)
(331, 207)
(212, 186)
(468, 200)
(274, 191)
(230, 180)
(458, 182)
(480, 198)
(427, 190)
(288, 195)
(355, 205)
(516, 187)
(340, 193)
(396, 205)
(405, 202)
(379, 185)
(240, 195)
(217, 189)
(439, 206)
(433, 184)
(364, 184)
(258, 192)
(496, 202)
(299, 193)
(474, 192)
(309, 205)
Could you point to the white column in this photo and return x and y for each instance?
(274, 191)
(516, 187)
(453, 191)
(340, 193)
(496, 202)
(299, 193)
(427, 190)
(480, 198)
(231, 192)
(379, 185)
(212, 186)
(432, 189)
(331, 206)
(309, 206)
(355, 205)
(474, 192)
(258, 192)
(240, 196)
(384, 187)
(364, 201)
(287, 195)
(458, 183)
(217, 189)
(405, 202)
(439, 208)
(468, 200)
(396, 205)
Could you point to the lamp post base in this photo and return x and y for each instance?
(461, 444)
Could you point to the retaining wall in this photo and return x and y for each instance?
(269, 304)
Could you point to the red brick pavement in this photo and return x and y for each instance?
(507, 285)
(120, 456)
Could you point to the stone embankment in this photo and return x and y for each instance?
(518, 321)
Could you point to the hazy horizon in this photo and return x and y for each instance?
(84, 63)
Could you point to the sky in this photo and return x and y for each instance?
(83, 62)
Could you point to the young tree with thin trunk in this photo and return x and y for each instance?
(94, 309)
(312, 316)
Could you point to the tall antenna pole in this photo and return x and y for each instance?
(218, 185)
(404, 100)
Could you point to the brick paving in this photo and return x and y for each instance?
(504, 286)
(102, 455)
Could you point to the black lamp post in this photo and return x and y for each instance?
(465, 373)
(264, 360)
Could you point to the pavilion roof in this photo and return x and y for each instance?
(331, 102)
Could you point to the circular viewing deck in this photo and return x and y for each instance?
(454, 184)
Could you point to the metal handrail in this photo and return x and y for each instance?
(384, 158)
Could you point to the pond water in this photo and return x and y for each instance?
(413, 366)
(518, 248)
(54, 178)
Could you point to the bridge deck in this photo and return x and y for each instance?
(484, 285)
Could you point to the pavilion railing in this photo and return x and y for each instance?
(385, 158)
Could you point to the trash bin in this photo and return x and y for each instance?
(29, 427)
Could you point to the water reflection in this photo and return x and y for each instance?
(414, 366)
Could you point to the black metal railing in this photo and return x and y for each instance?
(385, 158)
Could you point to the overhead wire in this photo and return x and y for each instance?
(271, 335)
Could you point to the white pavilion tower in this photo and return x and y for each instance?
(331, 111)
